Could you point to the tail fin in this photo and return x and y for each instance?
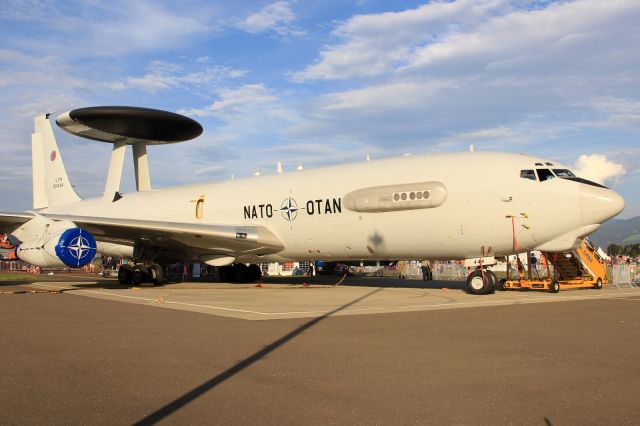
(51, 185)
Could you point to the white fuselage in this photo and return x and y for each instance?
(488, 208)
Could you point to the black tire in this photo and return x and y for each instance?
(124, 275)
(137, 276)
(226, 274)
(492, 281)
(478, 283)
(240, 273)
(500, 285)
(554, 287)
(156, 273)
(598, 284)
(254, 273)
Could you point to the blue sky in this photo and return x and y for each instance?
(324, 82)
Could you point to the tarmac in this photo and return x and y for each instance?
(80, 350)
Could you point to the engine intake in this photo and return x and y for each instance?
(76, 247)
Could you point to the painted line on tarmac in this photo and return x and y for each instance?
(155, 300)
(510, 301)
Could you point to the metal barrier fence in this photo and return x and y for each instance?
(625, 274)
(12, 265)
(413, 270)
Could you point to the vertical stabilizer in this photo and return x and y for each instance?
(51, 185)
(37, 168)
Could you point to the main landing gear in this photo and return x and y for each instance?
(240, 273)
(141, 273)
(481, 281)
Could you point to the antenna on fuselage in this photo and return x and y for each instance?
(124, 126)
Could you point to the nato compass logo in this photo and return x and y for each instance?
(289, 209)
(76, 247)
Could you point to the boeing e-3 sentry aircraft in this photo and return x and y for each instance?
(472, 205)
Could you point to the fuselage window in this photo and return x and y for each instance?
(544, 174)
(528, 174)
(200, 209)
(563, 173)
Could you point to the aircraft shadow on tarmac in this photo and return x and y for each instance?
(102, 283)
(178, 403)
(376, 282)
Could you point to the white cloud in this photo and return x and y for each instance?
(378, 43)
(111, 28)
(404, 94)
(598, 168)
(277, 17)
(449, 71)
(164, 76)
(236, 102)
(464, 36)
(615, 113)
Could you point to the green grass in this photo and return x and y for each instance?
(16, 277)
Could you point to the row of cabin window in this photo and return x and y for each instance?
(546, 174)
(411, 195)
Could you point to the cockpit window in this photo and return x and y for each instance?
(544, 174)
(528, 174)
(563, 173)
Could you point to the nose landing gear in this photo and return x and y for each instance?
(481, 281)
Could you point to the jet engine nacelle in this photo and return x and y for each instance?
(71, 246)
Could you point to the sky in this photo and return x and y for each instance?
(321, 82)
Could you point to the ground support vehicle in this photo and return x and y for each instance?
(581, 268)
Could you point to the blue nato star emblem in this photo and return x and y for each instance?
(289, 209)
(76, 248)
(79, 248)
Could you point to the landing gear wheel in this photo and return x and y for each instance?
(479, 282)
(254, 273)
(554, 287)
(598, 284)
(156, 273)
(124, 275)
(240, 273)
(137, 276)
(493, 279)
(225, 273)
(500, 285)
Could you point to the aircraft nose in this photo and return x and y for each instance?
(599, 204)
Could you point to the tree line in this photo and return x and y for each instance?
(632, 250)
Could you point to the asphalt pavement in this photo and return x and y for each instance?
(70, 359)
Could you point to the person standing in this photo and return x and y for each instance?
(427, 274)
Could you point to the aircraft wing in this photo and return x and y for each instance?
(233, 240)
(10, 221)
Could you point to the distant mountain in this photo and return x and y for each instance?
(619, 231)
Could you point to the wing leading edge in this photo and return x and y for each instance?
(219, 239)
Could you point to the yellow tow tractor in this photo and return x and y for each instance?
(581, 268)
